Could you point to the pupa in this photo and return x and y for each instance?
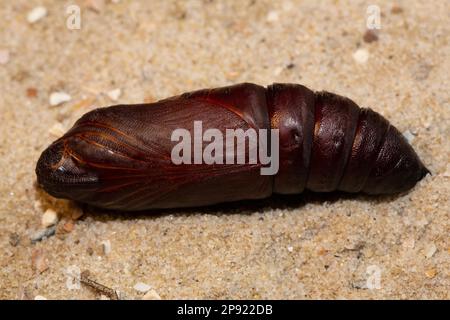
(121, 157)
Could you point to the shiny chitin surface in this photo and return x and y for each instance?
(120, 157)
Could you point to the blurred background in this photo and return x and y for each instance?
(60, 59)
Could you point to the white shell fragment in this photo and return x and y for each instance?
(57, 98)
(36, 14)
(106, 245)
(430, 250)
(49, 218)
(115, 94)
(142, 287)
(272, 16)
(361, 56)
(409, 136)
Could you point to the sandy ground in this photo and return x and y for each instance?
(309, 246)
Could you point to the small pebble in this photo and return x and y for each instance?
(106, 245)
(39, 260)
(232, 75)
(115, 94)
(4, 56)
(68, 226)
(14, 239)
(57, 130)
(409, 136)
(396, 10)
(272, 16)
(49, 218)
(95, 5)
(42, 234)
(430, 250)
(36, 14)
(57, 98)
(370, 36)
(431, 273)
(40, 298)
(142, 287)
(32, 92)
(151, 295)
(290, 248)
(290, 66)
(361, 56)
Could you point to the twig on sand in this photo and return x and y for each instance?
(86, 280)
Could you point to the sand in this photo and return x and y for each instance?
(331, 246)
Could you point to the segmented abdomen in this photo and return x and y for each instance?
(328, 143)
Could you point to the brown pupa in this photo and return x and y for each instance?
(119, 157)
